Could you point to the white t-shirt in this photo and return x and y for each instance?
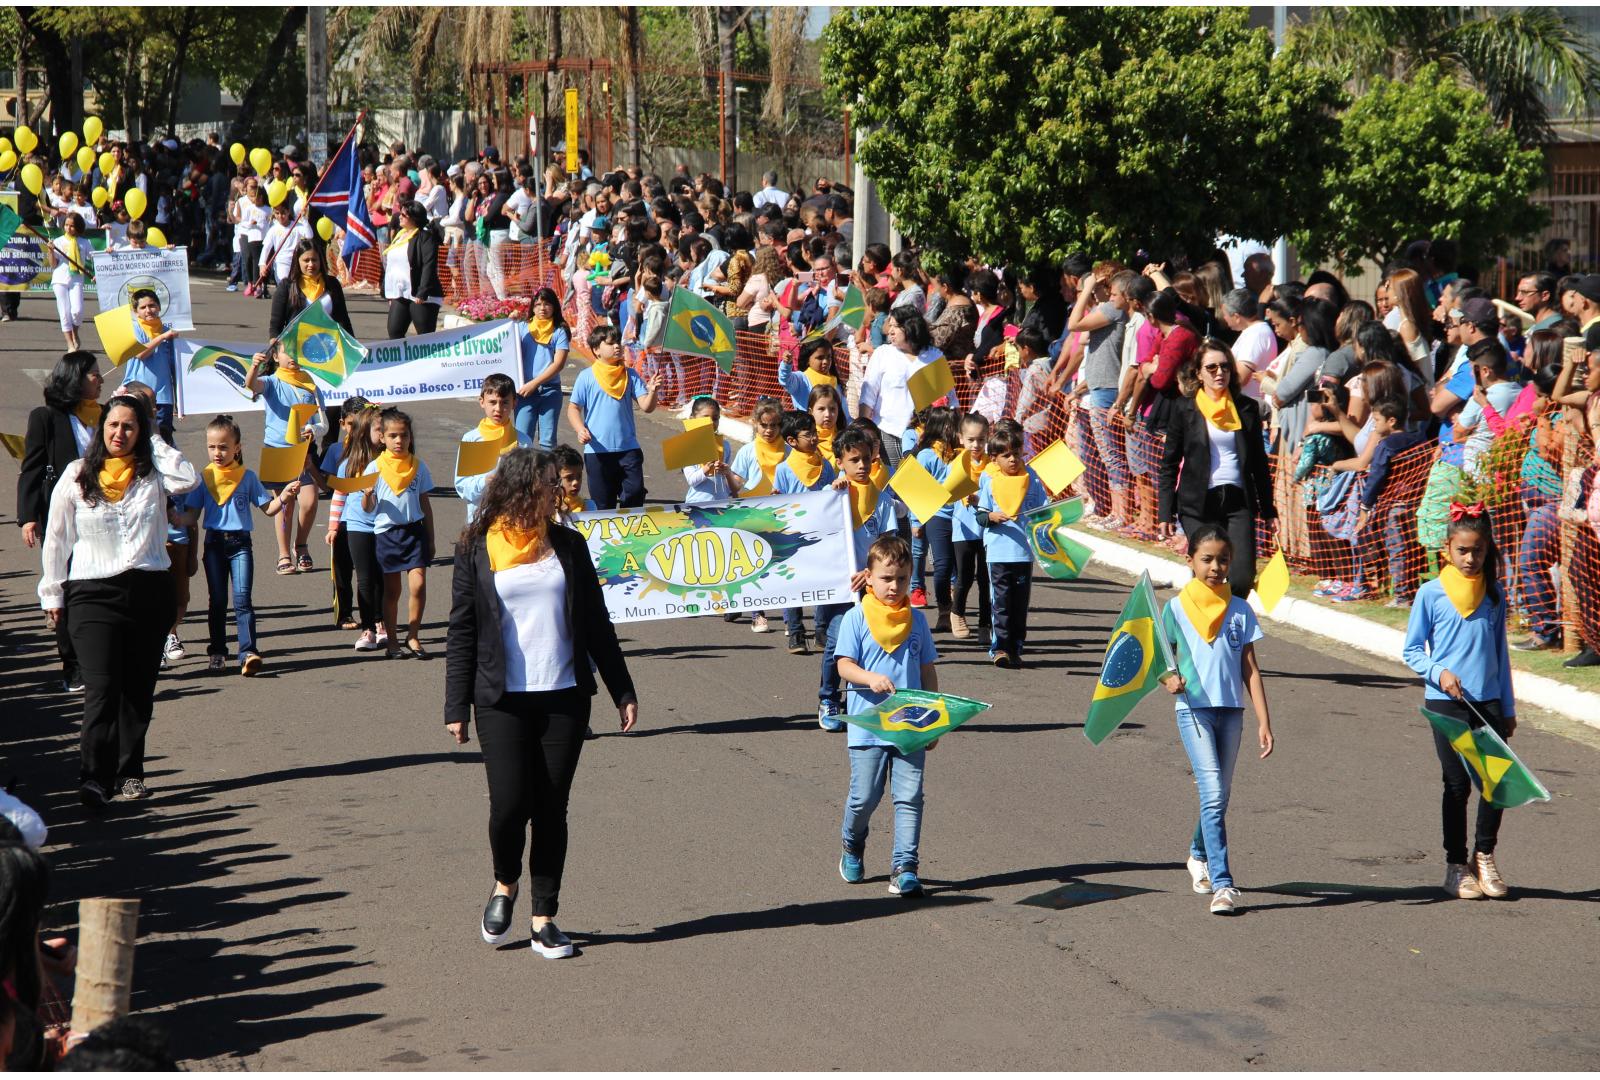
(1224, 456)
(436, 202)
(397, 272)
(253, 219)
(65, 273)
(284, 239)
(1257, 346)
(883, 388)
(533, 629)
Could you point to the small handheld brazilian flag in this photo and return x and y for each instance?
(1137, 656)
(321, 346)
(1498, 774)
(911, 719)
(696, 328)
(1062, 557)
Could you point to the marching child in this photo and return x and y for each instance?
(289, 385)
(884, 645)
(1213, 634)
(805, 469)
(601, 412)
(756, 465)
(569, 472)
(1456, 640)
(936, 448)
(1008, 490)
(153, 363)
(816, 368)
(222, 504)
(348, 518)
(498, 400)
(967, 535)
(715, 481)
(826, 407)
(340, 566)
(402, 526)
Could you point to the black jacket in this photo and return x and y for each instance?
(49, 448)
(1188, 444)
(282, 313)
(423, 252)
(475, 663)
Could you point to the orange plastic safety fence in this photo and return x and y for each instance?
(466, 270)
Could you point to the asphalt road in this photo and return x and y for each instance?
(313, 862)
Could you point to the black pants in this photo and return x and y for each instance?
(1458, 784)
(10, 303)
(252, 261)
(342, 569)
(118, 627)
(531, 743)
(363, 547)
(615, 479)
(971, 567)
(404, 314)
(1229, 509)
(1012, 587)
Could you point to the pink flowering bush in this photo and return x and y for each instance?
(485, 308)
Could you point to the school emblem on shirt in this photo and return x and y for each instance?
(1235, 632)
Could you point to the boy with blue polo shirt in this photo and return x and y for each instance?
(1007, 490)
(804, 469)
(884, 645)
(601, 412)
(498, 400)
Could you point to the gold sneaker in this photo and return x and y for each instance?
(1460, 883)
(959, 627)
(1489, 879)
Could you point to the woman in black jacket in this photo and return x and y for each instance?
(411, 273)
(520, 576)
(310, 282)
(59, 432)
(1215, 434)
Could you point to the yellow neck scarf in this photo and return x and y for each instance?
(510, 546)
(221, 481)
(312, 288)
(115, 476)
(542, 330)
(1009, 491)
(403, 239)
(976, 465)
(397, 470)
(889, 626)
(574, 503)
(817, 378)
(152, 328)
(825, 443)
(807, 467)
(863, 502)
(1465, 593)
(880, 476)
(1219, 412)
(88, 413)
(504, 434)
(297, 378)
(613, 378)
(769, 455)
(942, 450)
(1205, 606)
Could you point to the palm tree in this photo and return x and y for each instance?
(1529, 62)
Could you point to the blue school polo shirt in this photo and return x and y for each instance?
(394, 510)
(904, 665)
(880, 521)
(353, 515)
(1213, 671)
(470, 488)
(536, 357)
(1438, 639)
(278, 397)
(233, 515)
(609, 420)
(785, 482)
(1008, 543)
(704, 489)
(155, 370)
(799, 388)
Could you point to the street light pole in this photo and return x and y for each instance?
(1280, 249)
(317, 86)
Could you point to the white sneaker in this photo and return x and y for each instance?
(366, 642)
(1461, 883)
(758, 624)
(1225, 901)
(1199, 874)
(174, 650)
(383, 635)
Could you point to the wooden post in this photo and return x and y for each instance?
(722, 126)
(106, 933)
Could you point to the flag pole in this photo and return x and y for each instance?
(305, 208)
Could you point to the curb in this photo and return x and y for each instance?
(1342, 626)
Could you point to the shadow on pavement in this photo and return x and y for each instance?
(1333, 894)
(820, 913)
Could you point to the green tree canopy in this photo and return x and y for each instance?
(1422, 158)
(1019, 136)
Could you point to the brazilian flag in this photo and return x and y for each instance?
(696, 328)
(851, 312)
(911, 719)
(1498, 774)
(1136, 658)
(1062, 557)
(321, 346)
(233, 367)
(10, 222)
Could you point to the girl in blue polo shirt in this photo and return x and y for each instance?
(816, 367)
(291, 385)
(1213, 635)
(601, 412)
(222, 504)
(544, 353)
(402, 526)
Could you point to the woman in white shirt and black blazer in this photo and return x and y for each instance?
(411, 273)
(106, 572)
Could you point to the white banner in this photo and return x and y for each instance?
(164, 271)
(446, 364)
(763, 554)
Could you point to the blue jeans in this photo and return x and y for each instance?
(536, 417)
(870, 766)
(228, 557)
(828, 616)
(1211, 739)
(1108, 439)
(794, 620)
(936, 535)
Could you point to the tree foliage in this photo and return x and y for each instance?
(1418, 158)
(1019, 137)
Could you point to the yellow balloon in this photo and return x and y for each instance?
(85, 158)
(99, 197)
(5, 143)
(8, 160)
(261, 160)
(155, 237)
(277, 191)
(325, 229)
(108, 161)
(68, 143)
(32, 177)
(93, 129)
(26, 139)
(134, 200)
(236, 152)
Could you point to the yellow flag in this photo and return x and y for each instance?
(762, 486)
(14, 444)
(1273, 582)
(958, 481)
(923, 495)
(1057, 466)
(697, 446)
(476, 458)
(353, 484)
(115, 328)
(931, 383)
(692, 422)
(299, 417)
(281, 464)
